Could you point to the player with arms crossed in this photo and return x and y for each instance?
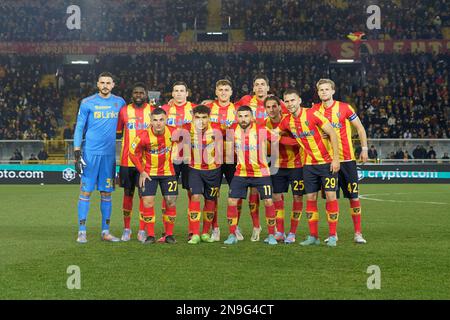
(151, 153)
(320, 166)
(289, 171)
(97, 121)
(133, 119)
(342, 116)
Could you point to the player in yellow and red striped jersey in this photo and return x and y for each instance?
(321, 164)
(288, 164)
(205, 175)
(179, 112)
(223, 114)
(342, 117)
(151, 153)
(252, 170)
(133, 119)
(256, 102)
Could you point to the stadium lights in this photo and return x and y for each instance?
(345, 60)
(79, 62)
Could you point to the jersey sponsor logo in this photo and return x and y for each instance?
(303, 134)
(102, 107)
(240, 147)
(336, 125)
(174, 122)
(106, 115)
(137, 126)
(159, 150)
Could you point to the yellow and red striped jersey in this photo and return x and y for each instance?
(288, 156)
(251, 150)
(259, 112)
(152, 153)
(132, 121)
(206, 147)
(177, 116)
(340, 114)
(306, 129)
(224, 117)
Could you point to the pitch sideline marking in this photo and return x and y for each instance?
(366, 197)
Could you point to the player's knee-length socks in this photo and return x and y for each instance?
(169, 219)
(105, 208)
(313, 217)
(148, 218)
(279, 211)
(355, 210)
(208, 214)
(194, 217)
(296, 214)
(83, 209)
(127, 207)
(332, 208)
(232, 217)
(270, 218)
(253, 202)
(141, 215)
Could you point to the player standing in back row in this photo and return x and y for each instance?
(97, 121)
(133, 119)
(261, 90)
(341, 116)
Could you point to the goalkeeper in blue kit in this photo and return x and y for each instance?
(95, 157)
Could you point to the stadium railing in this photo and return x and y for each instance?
(61, 151)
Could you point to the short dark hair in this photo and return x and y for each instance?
(272, 98)
(201, 109)
(291, 91)
(106, 74)
(139, 85)
(158, 111)
(261, 76)
(245, 108)
(180, 83)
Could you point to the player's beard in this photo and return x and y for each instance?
(138, 103)
(105, 91)
(244, 125)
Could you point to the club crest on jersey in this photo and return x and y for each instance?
(307, 123)
(338, 114)
(336, 125)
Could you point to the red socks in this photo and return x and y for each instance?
(355, 211)
(332, 208)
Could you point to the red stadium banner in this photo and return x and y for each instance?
(337, 49)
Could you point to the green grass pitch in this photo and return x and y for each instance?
(406, 226)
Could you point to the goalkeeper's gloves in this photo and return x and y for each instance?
(79, 162)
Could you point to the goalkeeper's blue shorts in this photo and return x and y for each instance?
(100, 171)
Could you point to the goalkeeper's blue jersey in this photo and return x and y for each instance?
(97, 121)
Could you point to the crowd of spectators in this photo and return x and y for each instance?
(405, 96)
(27, 110)
(102, 20)
(395, 96)
(321, 20)
(161, 20)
